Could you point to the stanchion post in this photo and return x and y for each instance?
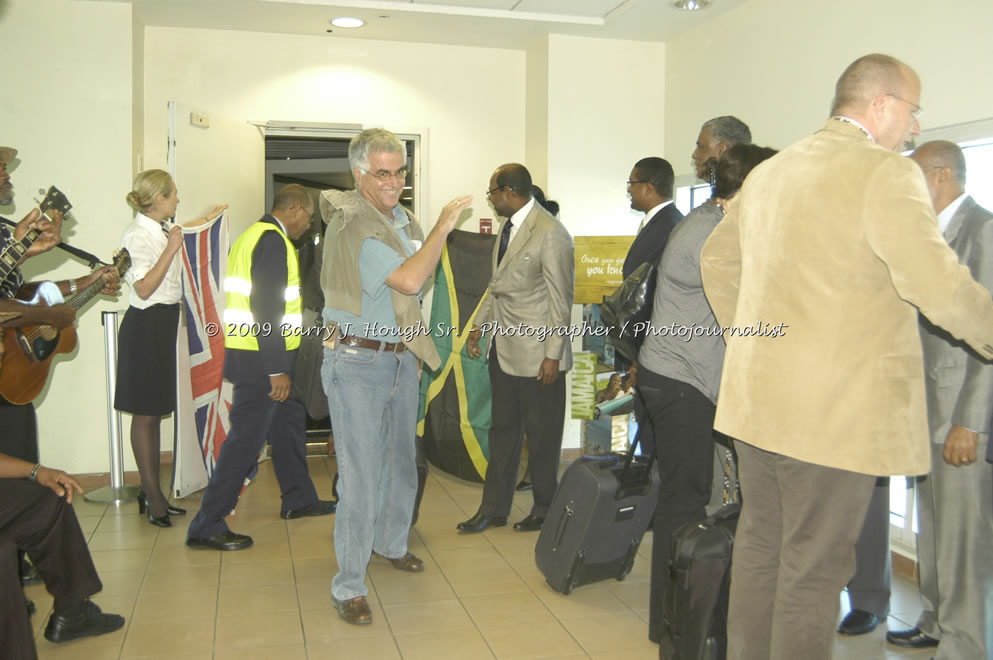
(117, 492)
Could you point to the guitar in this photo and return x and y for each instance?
(14, 253)
(28, 350)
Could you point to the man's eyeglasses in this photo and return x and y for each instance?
(386, 175)
(493, 190)
(917, 110)
(631, 183)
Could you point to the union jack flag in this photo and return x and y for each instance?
(205, 251)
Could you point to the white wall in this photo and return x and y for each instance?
(67, 107)
(774, 63)
(605, 112)
(467, 102)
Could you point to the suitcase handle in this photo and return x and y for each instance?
(629, 455)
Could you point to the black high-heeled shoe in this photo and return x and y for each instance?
(170, 509)
(162, 521)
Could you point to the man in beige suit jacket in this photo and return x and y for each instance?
(527, 312)
(836, 238)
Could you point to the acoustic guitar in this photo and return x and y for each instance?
(28, 350)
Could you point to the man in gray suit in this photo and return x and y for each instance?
(955, 510)
(526, 311)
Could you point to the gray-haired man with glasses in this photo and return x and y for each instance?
(376, 263)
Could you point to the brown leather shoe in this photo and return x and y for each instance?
(408, 563)
(355, 610)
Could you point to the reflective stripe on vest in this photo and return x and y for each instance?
(241, 328)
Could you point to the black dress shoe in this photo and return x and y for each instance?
(858, 622)
(479, 522)
(82, 620)
(318, 508)
(29, 575)
(911, 639)
(224, 541)
(529, 524)
(524, 485)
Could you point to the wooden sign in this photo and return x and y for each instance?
(599, 260)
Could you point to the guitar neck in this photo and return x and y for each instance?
(14, 253)
(84, 295)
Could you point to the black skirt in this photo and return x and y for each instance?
(146, 361)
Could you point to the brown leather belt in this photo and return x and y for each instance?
(362, 342)
(335, 338)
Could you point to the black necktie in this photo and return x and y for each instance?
(504, 241)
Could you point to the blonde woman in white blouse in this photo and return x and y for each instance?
(146, 368)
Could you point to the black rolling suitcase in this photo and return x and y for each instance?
(695, 605)
(594, 526)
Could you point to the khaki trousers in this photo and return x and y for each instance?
(794, 551)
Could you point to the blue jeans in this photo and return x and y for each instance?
(372, 397)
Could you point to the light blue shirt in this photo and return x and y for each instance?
(376, 261)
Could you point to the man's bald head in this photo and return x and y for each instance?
(868, 77)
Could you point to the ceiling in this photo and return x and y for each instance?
(489, 23)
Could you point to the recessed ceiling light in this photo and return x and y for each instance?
(691, 5)
(347, 22)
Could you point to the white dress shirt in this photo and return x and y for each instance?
(145, 241)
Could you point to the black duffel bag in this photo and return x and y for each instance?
(627, 310)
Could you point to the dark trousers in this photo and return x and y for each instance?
(681, 431)
(523, 405)
(254, 418)
(20, 431)
(36, 519)
(869, 590)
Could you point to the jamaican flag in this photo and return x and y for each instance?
(454, 407)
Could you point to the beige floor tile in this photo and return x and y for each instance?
(174, 536)
(318, 546)
(262, 550)
(484, 581)
(633, 594)
(186, 578)
(120, 583)
(444, 645)
(176, 655)
(325, 626)
(412, 587)
(235, 601)
(496, 610)
(481, 558)
(446, 538)
(408, 618)
(372, 648)
(295, 652)
(89, 524)
(128, 540)
(83, 508)
(320, 526)
(584, 601)
(521, 641)
(93, 648)
(642, 653)
(256, 573)
(121, 560)
(179, 556)
(171, 605)
(189, 636)
(315, 595)
(605, 632)
(124, 523)
(309, 569)
(252, 630)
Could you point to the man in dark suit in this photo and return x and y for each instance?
(262, 334)
(955, 509)
(531, 288)
(650, 189)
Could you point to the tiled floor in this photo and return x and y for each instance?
(479, 597)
